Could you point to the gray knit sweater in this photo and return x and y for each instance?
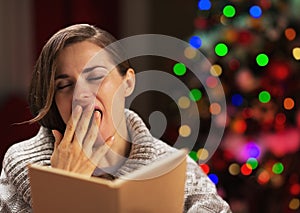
(200, 192)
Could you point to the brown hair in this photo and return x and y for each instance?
(42, 87)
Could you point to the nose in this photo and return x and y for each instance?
(83, 94)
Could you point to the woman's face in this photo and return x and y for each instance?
(77, 83)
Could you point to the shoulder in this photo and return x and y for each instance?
(28, 151)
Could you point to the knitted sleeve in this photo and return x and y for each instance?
(10, 200)
(200, 192)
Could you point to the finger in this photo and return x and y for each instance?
(92, 135)
(72, 123)
(83, 123)
(102, 150)
(58, 137)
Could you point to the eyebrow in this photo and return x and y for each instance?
(86, 70)
(89, 69)
(61, 76)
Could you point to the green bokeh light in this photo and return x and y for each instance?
(252, 162)
(179, 69)
(262, 59)
(193, 155)
(221, 49)
(229, 11)
(195, 94)
(278, 168)
(264, 97)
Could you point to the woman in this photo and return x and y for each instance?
(81, 104)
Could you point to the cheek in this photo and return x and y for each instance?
(64, 105)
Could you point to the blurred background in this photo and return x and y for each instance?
(254, 49)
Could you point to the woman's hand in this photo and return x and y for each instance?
(74, 150)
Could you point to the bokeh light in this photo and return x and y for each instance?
(211, 82)
(214, 178)
(262, 59)
(184, 102)
(290, 34)
(229, 11)
(195, 95)
(184, 131)
(195, 42)
(190, 52)
(216, 70)
(263, 177)
(239, 126)
(204, 4)
(215, 108)
(205, 168)
(221, 49)
(280, 119)
(202, 154)
(193, 155)
(295, 189)
(294, 204)
(264, 97)
(237, 100)
(255, 11)
(296, 53)
(288, 103)
(246, 169)
(250, 150)
(179, 69)
(252, 162)
(277, 168)
(234, 169)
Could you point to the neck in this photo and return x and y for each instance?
(119, 150)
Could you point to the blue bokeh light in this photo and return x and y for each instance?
(255, 11)
(214, 178)
(237, 100)
(204, 5)
(195, 42)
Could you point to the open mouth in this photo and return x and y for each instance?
(101, 113)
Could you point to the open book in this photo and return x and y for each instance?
(157, 187)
